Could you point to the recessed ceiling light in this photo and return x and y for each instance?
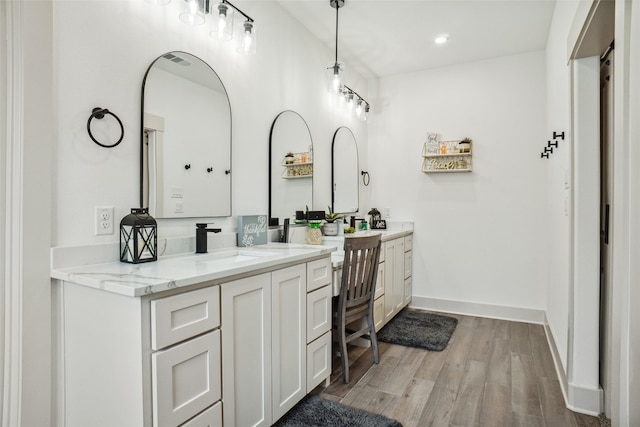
(442, 39)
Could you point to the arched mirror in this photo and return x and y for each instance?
(290, 166)
(344, 172)
(186, 139)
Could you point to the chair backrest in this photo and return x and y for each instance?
(359, 273)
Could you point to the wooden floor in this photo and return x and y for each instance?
(492, 373)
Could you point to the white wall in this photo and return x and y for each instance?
(103, 51)
(559, 176)
(480, 237)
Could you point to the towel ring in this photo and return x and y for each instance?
(366, 179)
(99, 114)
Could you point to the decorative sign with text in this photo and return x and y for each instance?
(252, 230)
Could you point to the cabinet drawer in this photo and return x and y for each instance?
(186, 379)
(318, 361)
(180, 317)
(211, 417)
(408, 243)
(318, 273)
(318, 312)
(408, 264)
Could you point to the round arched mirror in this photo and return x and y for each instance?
(345, 196)
(186, 139)
(290, 166)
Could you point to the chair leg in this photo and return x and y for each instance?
(374, 339)
(344, 354)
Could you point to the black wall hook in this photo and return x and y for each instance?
(548, 150)
(552, 144)
(99, 113)
(543, 155)
(557, 135)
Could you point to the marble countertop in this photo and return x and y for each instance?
(187, 269)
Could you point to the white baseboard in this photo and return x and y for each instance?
(579, 399)
(516, 314)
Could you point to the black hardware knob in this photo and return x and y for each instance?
(209, 170)
(187, 167)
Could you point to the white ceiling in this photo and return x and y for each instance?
(379, 38)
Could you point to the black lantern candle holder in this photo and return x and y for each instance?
(138, 237)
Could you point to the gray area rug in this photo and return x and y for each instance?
(415, 328)
(313, 411)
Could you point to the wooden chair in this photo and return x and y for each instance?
(355, 302)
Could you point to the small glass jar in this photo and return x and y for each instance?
(314, 233)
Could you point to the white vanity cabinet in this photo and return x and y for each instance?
(234, 350)
(394, 277)
(319, 300)
(267, 323)
(147, 361)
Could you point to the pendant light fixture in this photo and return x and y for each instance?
(336, 69)
(355, 104)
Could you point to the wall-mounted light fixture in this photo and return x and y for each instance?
(222, 13)
(355, 104)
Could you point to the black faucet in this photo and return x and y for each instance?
(285, 231)
(201, 237)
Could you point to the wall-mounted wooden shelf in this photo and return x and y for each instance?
(450, 159)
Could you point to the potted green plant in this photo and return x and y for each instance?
(330, 227)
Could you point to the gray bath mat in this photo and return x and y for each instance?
(415, 328)
(312, 411)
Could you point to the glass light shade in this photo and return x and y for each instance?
(365, 115)
(222, 27)
(335, 76)
(249, 43)
(359, 109)
(350, 102)
(192, 14)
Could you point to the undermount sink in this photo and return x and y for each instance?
(236, 255)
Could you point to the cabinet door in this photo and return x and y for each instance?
(393, 278)
(246, 351)
(318, 361)
(408, 264)
(318, 312)
(289, 331)
(186, 379)
(408, 291)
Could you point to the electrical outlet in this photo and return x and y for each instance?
(104, 220)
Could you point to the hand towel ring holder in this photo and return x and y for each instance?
(99, 114)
